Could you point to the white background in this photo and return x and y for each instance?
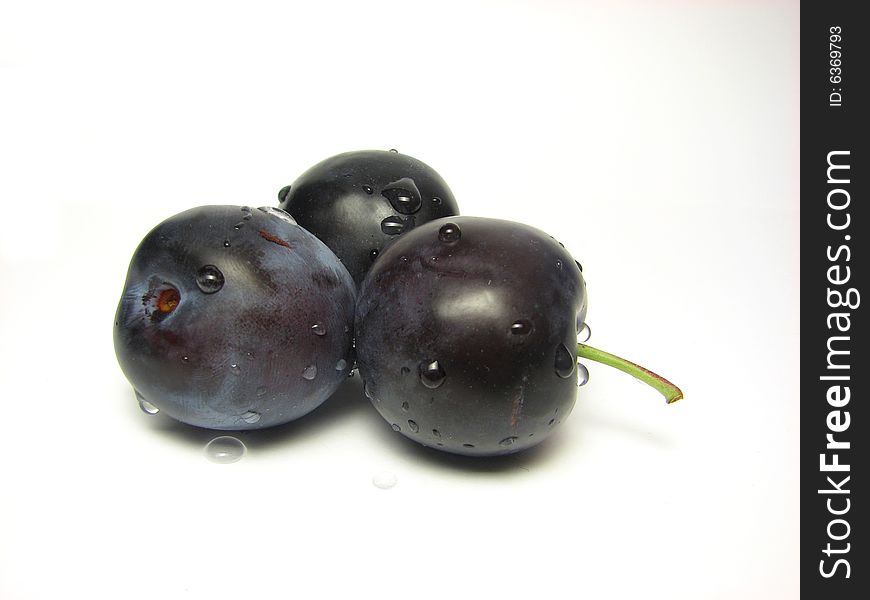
(657, 140)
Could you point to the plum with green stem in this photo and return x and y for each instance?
(466, 336)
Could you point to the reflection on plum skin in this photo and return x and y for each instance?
(347, 402)
(551, 450)
(504, 465)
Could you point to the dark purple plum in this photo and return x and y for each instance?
(359, 202)
(234, 318)
(467, 333)
(466, 336)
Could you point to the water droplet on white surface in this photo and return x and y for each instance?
(384, 480)
(225, 449)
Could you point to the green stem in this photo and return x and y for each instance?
(667, 389)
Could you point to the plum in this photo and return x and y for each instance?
(234, 318)
(359, 202)
(466, 335)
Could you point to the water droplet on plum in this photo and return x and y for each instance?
(318, 329)
(403, 196)
(310, 372)
(413, 425)
(147, 407)
(583, 330)
(432, 374)
(251, 417)
(565, 361)
(449, 233)
(393, 225)
(582, 374)
(209, 279)
(521, 327)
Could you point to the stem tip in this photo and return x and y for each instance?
(667, 389)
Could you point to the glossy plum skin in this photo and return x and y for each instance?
(359, 202)
(466, 335)
(267, 346)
